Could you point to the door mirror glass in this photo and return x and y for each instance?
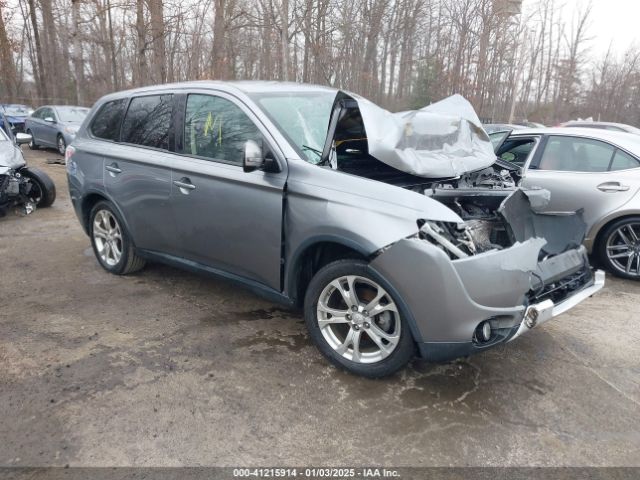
(253, 156)
(49, 119)
(22, 138)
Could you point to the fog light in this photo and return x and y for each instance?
(483, 331)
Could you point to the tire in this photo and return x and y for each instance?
(41, 181)
(32, 143)
(108, 237)
(325, 303)
(61, 145)
(618, 248)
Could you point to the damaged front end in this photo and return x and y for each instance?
(499, 273)
(471, 284)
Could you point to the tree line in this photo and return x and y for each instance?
(513, 62)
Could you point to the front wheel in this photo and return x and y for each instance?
(111, 243)
(619, 248)
(43, 190)
(356, 322)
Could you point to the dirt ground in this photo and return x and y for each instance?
(168, 368)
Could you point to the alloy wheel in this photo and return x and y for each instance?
(107, 236)
(61, 146)
(358, 319)
(623, 249)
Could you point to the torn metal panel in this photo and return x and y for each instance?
(562, 231)
(442, 140)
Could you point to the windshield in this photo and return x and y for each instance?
(17, 110)
(302, 117)
(72, 114)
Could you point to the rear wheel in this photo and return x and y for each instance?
(62, 145)
(355, 321)
(619, 248)
(32, 143)
(111, 243)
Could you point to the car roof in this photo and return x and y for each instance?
(628, 141)
(239, 86)
(604, 124)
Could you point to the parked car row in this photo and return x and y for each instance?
(52, 126)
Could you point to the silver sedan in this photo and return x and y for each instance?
(594, 170)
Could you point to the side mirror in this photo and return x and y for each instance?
(253, 156)
(22, 138)
(49, 120)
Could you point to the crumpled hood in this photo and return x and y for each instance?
(10, 157)
(442, 140)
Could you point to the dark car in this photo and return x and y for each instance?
(15, 115)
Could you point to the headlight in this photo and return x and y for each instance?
(71, 130)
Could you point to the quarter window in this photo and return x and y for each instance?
(107, 122)
(574, 154)
(148, 121)
(216, 128)
(623, 161)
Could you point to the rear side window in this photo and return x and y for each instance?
(107, 122)
(148, 121)
(575, 154)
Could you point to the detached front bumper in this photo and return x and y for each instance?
(447, 301)
(541, 312)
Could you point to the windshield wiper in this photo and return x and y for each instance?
(311, 149)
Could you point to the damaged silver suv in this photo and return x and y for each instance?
(397, 233)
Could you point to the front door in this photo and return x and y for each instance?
(226, 218)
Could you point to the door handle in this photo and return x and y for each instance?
(185, 185)
(113, 169)
(613, 187)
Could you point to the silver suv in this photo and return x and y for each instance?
(396, 233)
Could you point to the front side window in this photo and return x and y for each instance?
(148, 121)
(574, 154)
(49, 113)
(218, 129)
(106, 123)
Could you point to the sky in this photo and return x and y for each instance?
(616, 21)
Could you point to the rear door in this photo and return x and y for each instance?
(226, 218)
(583, 173)
(137, 171)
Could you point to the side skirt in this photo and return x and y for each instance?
(258, 288)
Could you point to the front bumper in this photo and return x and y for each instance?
(542, 312)
(445, 301)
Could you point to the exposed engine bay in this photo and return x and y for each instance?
(17, 190)
(496, 213)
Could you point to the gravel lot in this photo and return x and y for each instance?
(168, 368)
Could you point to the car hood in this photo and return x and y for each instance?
(442, 140)
(15, 118)
(10, 157)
